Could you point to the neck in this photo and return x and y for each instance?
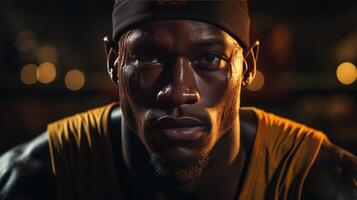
(220, 179)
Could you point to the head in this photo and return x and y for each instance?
(179, 84)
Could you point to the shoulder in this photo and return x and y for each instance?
(25, 171)
(333, 175)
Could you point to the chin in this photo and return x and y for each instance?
(178, 166)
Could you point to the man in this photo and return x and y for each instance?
(179, 132)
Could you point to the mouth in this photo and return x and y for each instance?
(179, 140)
(182, 129)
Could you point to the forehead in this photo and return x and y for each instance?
(178, 31)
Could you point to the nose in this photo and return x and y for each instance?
(181, 87)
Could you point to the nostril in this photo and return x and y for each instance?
(191, 97)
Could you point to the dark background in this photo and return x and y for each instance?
(303, 42)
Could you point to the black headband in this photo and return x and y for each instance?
(230, 15)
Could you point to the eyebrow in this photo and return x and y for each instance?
(210, 42)
(137, 45)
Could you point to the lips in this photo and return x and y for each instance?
(180, 129)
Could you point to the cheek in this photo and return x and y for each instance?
(147, 79)
(224, 111)
(136, 88)
(143, 83)
(216, 87)
(230, 103)
(131, 108)
(212, 86)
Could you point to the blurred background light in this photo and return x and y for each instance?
(346, 73)
(280, 43)
(339, 106)
(25, 40)
(28, 74)
(74, 80)
(46, 73)
(257, 83)
(47, 53)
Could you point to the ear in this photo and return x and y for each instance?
(248, 72)
(250, 64)
(111, 52)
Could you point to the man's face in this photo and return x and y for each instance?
(179, 91)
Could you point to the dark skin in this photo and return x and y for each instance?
(333, 175)
(179, 69)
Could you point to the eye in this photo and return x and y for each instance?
(211, 61)
(210, 58)
(148, 59)
(144, 60)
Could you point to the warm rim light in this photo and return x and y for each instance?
(74, 79)
(258, 82)
(28, 74)
(346, 73)
(46, 73)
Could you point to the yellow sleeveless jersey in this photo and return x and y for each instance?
(82, 158)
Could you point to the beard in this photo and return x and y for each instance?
(170, 170)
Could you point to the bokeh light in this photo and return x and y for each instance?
(25, 40)
(46, 73)
(47, 53)
(346, 73)
(28, 74)
(74, 80)
(257, 83)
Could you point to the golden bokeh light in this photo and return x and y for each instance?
(257, 83)
(74, 79)
(346, 73)
(28, 74)
(46, 73)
